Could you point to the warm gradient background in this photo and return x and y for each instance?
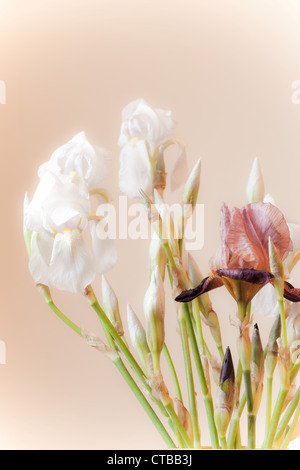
(225, 69)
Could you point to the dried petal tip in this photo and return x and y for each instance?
(255, 187)
(227, 371)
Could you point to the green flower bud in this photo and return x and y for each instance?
(111, 306)
(138, 337)
(191, 190)
(157, 257)
(255, 188)
(257, 359)
(154, 309)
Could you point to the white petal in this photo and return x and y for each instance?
(135, 169)
(104, 248)
(265, 302)
(41, 247)
(72, 265)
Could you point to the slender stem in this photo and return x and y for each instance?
(283, 323)
(291, 428)
(65, 319)
(190, 381)
(204, 387)
(173, 372)
(179, 425)
(223, 442)
(287, 415)
(275, 418)
(269, 403)
(233, 427)
(145, 404)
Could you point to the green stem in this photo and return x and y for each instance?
(141, 398)
(275, 418)
(233, 427)
(291, 428)
(287, 415)
(204, 387)
(283, 323)
(178, 425)
(190, 381)
(65, 319)
(268, 403)
(173, 372)
(223, 442)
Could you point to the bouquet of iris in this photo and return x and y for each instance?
(69, 245)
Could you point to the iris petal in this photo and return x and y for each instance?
(291, 293)
(253, 276)
(208, 283)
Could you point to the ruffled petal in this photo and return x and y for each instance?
(291, 293)
(40, 252)
(104, 248)
(135, 169)
(253, 276)
(71, 266)
(208, 283)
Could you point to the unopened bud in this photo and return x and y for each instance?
(225, 395)
(272, 347)
(257, 358)
(138, 337)
(157, 256)
(276, 268)
(160, 175)
(244, 346)
(257, 368)
(111, 306)
(154, 309)
(255, 187)
(191, 190)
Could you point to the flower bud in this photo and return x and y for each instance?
(225, 395)
(154, 309)
(157, 256)
(111, 306)
(257, 368)
(191, 190)
(159, 178)
(244, 346)
(257, 359)
(255, 187)
(272, 347)
(138, 337)
(276, 268)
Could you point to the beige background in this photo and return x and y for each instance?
(225, 69)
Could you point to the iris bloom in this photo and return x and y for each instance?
(242, 261)
(59, 215)
(144, 133)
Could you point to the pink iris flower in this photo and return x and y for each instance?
(241, 262)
